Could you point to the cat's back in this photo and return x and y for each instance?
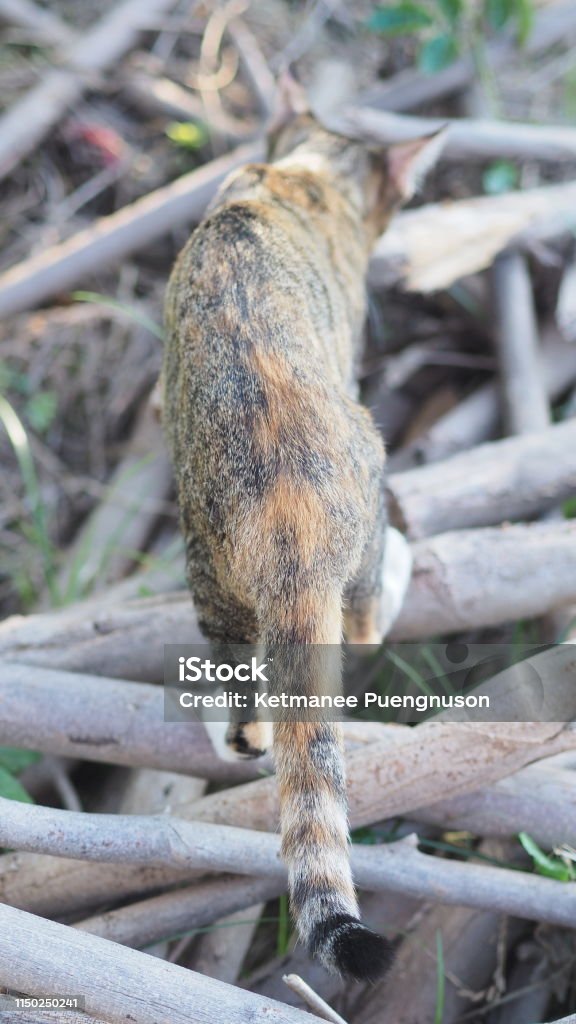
(277, 264)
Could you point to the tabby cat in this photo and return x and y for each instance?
(280, 471)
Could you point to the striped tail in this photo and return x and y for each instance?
(310, 770)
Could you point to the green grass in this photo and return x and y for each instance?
(122, 307)
(440, 980)
(36, 529)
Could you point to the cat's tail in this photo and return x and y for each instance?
(310, 770)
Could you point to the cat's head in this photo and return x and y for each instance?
(379, 178)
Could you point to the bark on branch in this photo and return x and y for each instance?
(512, 479)
(41, 957)
(171, 842)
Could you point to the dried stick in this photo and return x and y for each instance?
(129, 717)
(457, 584)
(220, 952)
(431, 247)
(161, 917)
(512, 479)
(539, 799)
(404, 771)
(471, 233)
(124, 640)
(477, 417)
(467, 138)
(41, 23)
(164, 841)
(525, 401)
(318, 1005)
(39, 957)
(50, 1017)
(408, 995)
(469, 579)
(112, 238)
(24, 126)
(104, 720)
(123, 520)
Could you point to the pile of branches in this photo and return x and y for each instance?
(140, 839)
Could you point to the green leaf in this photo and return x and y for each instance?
(498, 12)
(187, 134)
(440, 980)
(499, 177)
(41, 410)
(569, 508)
(524, 17)
(437, 53)
(400, 20)
(569, 99)
(451, 9)
(15, 760)
(551, 867)
(11, 789)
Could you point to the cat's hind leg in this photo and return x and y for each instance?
(373, 599)
(230, 629)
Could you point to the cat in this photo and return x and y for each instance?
(280, 471)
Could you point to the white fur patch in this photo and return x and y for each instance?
(217, 733)
(395, 577)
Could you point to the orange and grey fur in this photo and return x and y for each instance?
(280, 470)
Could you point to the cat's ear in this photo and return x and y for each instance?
(408, 162)
(291, 101)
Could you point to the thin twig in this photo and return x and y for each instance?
(318, 1005)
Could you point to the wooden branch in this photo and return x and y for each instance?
(407, 771)
(40, 957)
(129, 717)
(525, 404)
(468, 139)
(539, 799)
(471, 231)
(162, 917)
(409, 993)
(220, 952)
(476, 418)
(512, 479)
(125, 641)
(429, 248)
(115, 237)
(469, 579)
(104, 720)
(39, 22)
(24, 126)
(164, 841)
(123, 519)
(404, 771)
(456, 585)
(66, 889)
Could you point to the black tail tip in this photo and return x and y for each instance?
(353, 950)
(362, 954)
